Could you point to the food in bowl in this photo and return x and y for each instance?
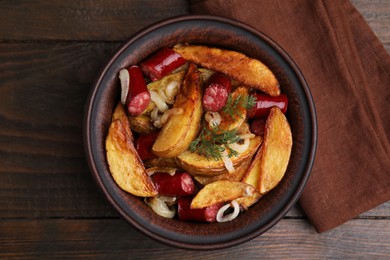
(199, 130)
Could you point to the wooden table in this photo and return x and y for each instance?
(50, 52)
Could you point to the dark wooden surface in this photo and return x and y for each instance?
(50, 52)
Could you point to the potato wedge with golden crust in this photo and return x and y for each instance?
(224, 191)
(161, 162)
(180, 130)
(124, 163)
(199, 164)
(235, 176)
(249, 71)
(252, 176)
(163, 83)
(247, 201)
(120, 114)
(271, 161)
(142, 124)
(229, 122)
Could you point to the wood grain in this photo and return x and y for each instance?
(82, 20)
(43, 90)
(377, 15)
(50, 207)
(110, 238)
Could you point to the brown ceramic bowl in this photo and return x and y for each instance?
(223, 33)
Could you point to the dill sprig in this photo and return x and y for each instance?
(211, 143)
(233, 105)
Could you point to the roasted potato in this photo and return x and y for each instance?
(236, 65)
(161, 162)
(142, 124)
(225, 191)
(179, 130)
(162, 84)
(124, 163)
(120, 114)
(201, 165)
(271, 161)
(235, 176)
(234, 121)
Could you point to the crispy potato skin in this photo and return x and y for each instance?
(235, 176)
(120, 114)
(142, 124)
(180, 130)
(271, 161)
(124, 163)
(224, 191)
(238, 66)
(228, 122)
(199, 164)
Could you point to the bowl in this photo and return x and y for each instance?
(218, 32)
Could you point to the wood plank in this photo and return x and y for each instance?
(292, 239)
(376, 13)
(115, 20)
(42, 95)
(82, 20)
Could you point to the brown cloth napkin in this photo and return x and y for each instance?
(348, 72)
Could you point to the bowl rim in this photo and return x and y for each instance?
(88, 144)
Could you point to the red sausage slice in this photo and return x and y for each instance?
(258, 126)
(162, 63)
(143, 145)
(264, 103)
(180, 184)
(138, 97)
(217, 91)
(185, 212)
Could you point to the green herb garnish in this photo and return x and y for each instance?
(211, 143)
(233, 105)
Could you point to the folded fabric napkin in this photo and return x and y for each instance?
(348, 72)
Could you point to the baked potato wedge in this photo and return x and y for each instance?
(198, 164)
(225, 191)
(120, 114)
(230, 122)
(163, 83)
(124, 163)
(235, 176)
(142, 124)
(248, 71)
(161, 162)
(271, 161)
(179, 130)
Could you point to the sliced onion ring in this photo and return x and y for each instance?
(160, 207)
(160, 103)
(170, 170)
(124, 78)
(240, 148)
(213, 118)
(248, 135)
(170, 201)
(226, 160)
(171, 91)
(168, 113)
(162, 95)
(154, 114)
(221, 217)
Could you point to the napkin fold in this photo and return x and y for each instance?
(348, 73)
